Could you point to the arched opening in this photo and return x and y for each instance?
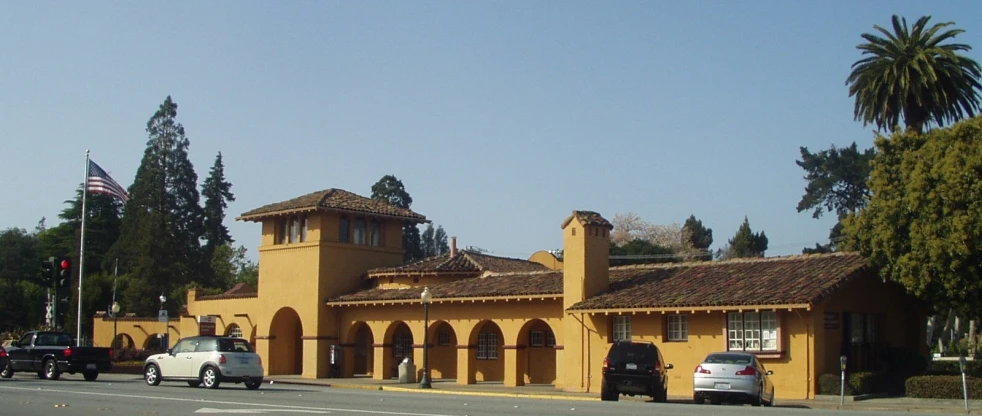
(442, 344)
(285, 343)
(537, 361)
(361, 340)
(489, 362)
(154, 343)
(400, 338)
(123, 342)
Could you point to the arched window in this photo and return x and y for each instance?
(375, 234)
(359, 234)
(233, 331)
(344, 228)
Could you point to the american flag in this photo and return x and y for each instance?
(101, 183)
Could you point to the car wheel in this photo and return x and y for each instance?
(152, 375)
(759, 400)
(7, 371)
(608, 393)
(664, 395)
(209, 377)
(194, 383)
(253, 384)
(698, 399)
(770, 402)
(51, 369)
(90, 375)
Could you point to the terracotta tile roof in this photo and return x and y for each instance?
(587, 218)
(509, 284)
(332, 200)
(763, 281)
(240, 290)
(793, 280)
(463, 262)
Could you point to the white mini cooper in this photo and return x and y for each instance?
(208, 361)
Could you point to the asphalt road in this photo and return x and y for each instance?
(117, 394)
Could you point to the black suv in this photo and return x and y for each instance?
(634, 368)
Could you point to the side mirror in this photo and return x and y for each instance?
(770, 373)
(669, 366)
(170, 351)
(15, 344)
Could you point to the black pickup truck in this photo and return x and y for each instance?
(51, 353)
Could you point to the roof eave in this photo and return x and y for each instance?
(475, 299)
(691, 309)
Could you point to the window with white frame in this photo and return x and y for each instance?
(233, 331)
(537, 338)
(550, 339)
(622, 328)
(487, 346)
(402, 345)
(443, 338)
(751, 331)
(678, 327)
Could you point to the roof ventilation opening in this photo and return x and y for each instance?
(453, 246)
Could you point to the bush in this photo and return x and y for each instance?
(942, 387)
(901, 364)
(950, 368)
(130, 354)
(863, 382)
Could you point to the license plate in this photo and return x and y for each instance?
(90, 366)
(631, 366)
(721, 386)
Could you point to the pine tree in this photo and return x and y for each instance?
(440, 241)
(218, 193)
(391, 190)
(159, 245)
(427, 242)
(746, 243)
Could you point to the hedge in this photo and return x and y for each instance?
(950, 368)
(863, 382)
(942, 387)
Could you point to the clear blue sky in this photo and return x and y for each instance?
(499, 117)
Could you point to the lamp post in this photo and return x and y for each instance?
(115, 310)
(426, 298)
(162, 317)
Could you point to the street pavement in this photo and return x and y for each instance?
(117, 394)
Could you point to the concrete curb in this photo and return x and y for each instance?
(490, 394)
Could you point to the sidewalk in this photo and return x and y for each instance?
(540, 391)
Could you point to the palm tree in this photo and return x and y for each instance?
(910, 74)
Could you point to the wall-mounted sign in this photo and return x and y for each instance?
(206, 325)
(831, 320)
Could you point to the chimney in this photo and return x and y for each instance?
(586, 256)
(453, 246)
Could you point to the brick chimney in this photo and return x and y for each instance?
(453, 246)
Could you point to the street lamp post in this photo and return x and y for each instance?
(426, 298)
(163, 318)
(115, 310)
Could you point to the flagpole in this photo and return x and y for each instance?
(81, 254)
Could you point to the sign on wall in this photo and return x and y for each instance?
(206, 325)
(831, 320)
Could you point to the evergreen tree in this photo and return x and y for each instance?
(159, 245)
(428, 242)
(391, 190)
(747, 243)
(440, 244)
(218, 193)
(699, 236)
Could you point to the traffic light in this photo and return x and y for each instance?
(47, 271)
(63, 279)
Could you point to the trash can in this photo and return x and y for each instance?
(407, 371)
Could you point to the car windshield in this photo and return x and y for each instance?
(728, 359)
(234, 345)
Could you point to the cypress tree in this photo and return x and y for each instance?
(217, 192)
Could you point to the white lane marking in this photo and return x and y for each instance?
(276, 406)
(255, 411)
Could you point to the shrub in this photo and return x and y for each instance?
(900, 364)
(942, 387)
(950, 368)
(130, 354)
(863, 382)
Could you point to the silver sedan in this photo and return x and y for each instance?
(732, 377)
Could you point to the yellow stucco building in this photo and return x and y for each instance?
(335, 300)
